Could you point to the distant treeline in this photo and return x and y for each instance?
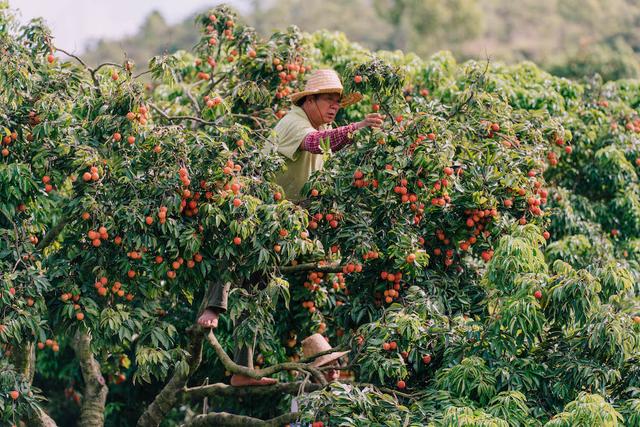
(571, 38)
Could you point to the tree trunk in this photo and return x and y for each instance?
(95, 389)
(24, 359)
(41, 419)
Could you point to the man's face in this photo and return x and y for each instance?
(328, 105)
(332, 374)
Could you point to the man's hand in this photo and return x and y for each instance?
(373, 120)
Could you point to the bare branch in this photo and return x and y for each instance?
(89, 69)
(259, 121)
(230, 420)
(220, 389)
(52, 234)
(105, 64)
(180, 118)
(260, 373)
(77, 58)
(214, 83)
(141, 74)
(195, 104)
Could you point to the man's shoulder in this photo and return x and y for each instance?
(295, 116)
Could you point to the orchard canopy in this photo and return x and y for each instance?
(478, 255)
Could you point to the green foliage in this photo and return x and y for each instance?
(587, 410)
(470, 378)
(487, 233)
(468, 417)
(345, 405)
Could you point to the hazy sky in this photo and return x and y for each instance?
(75, 22)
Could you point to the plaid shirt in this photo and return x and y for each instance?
(338, 139)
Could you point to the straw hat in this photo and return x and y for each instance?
(315, 344)
(326, 81)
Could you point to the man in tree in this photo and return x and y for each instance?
(297, 138)
(299, 133)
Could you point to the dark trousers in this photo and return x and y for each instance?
(216, 299)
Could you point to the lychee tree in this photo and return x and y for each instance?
(477, 254)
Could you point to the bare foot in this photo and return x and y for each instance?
(241, 380)
(208, 319)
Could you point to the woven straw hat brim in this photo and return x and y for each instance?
(350, 99)
(326, 81)
(345, 101)
(328, 358)
(296, 96)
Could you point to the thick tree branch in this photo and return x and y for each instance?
(52, 234)
(95, 388)
(40, 419)
(260, 373)
(220, 389)
(24, 360)
(230, 420)
(167, 398)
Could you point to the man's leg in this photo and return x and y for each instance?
(216, 303)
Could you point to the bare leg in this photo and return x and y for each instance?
(238, 380)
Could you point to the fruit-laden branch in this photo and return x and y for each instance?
(230, 420)
(220, 389)
(52, 234)
(95, 388)
(260, 373)
(311, 266)
(167, 398)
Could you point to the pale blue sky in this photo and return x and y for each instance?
(75, 22)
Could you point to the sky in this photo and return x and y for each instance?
(76, 22)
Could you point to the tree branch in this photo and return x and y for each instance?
(105, 64)
(91, 71)
(220, 389)
(40, 419)
(52, 234)
(77, 58)
(260, 373)
(24, 360)
(167, 398)
(180, 118)
(230, 420)
(95, 388)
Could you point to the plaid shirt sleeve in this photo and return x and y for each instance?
(338, 139)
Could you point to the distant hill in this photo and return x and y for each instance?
(568, 37)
